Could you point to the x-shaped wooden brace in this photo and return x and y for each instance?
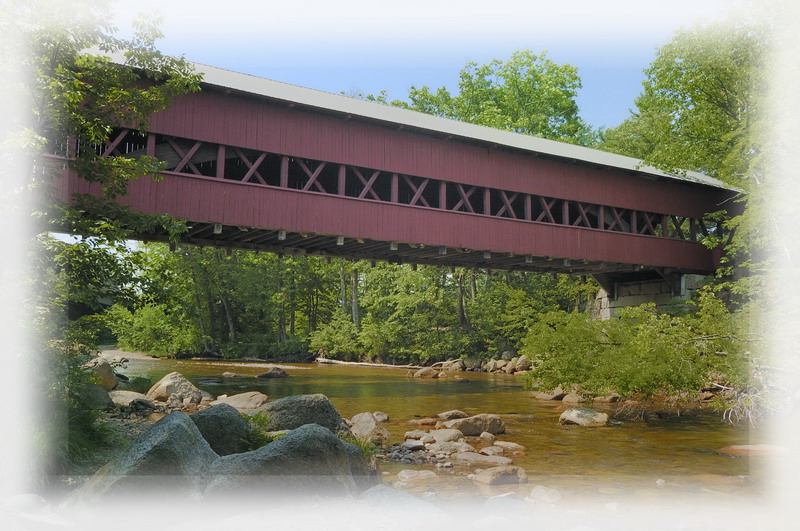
(546, 209)
(677, 231)
(112, 147)
(648, 227)
(252, 167)
(417, 191)
(367, 184)
(507, 204)
(464, 198)
(617, 221)
(186, 157)
(582, 220)
(312, 176)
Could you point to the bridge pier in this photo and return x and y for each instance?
(622, 293)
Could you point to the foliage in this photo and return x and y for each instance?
(643, 353)
(367, 448)
(258, 430)
(153, 330)
(337, 339)
(528, 94)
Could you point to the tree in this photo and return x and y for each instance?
(528, 94)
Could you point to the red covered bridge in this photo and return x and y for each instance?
(258, 164)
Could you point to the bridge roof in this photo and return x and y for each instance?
(292, 94)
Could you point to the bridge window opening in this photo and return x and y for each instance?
(237, 167)
(365, 183)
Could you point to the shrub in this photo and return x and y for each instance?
(153, 330)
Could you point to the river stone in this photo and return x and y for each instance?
(224, 429)
(449, 447)
(511, 365)
(367, 428)
(523, 364)
(273, 372)
(243, 402)
(477, 424)
(412, 445)
(572, 398)
(491, 365)
(452, 414)
(170, 459)
(509, 446)
(380, 416)
(415, 434)
(426, 372)
(174, 383)
(427, 439)
(446, 435)
(292, 412)
(471, 362)
(309, 460)
(487, 437)
(102, 373)
(491, 450)
(138, 384)
(542, 494)
(555, 394)
(125, 398)
(474, 458)
(227, 374)
(456, 365)
(95, 396)
(423, 422)
(499, 364)
(583, 416)
(501, 475)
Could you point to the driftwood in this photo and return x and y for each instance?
(366, 364)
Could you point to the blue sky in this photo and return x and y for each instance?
(367, 46)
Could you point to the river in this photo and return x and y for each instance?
(630, 458)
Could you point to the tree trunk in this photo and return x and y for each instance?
(282, 305)
(463, 321)
(229, 317)
(343, 288)
(473, 284)
(354, 297)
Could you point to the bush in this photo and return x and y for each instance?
(338, 339)
(153, 330)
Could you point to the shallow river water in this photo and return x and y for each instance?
(644, 459)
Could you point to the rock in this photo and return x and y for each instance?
(450, 447)
(477, 424)
(102, 373)
(366, 428)
(487, 437)
(572, 398)
(490, 366)
(232, 375)
(509, 446)
(491, 450)
(523, 364)
(174, 401)
(274, 372)
(415, 434)
(380, 416)
(613, 397)
(423, 422)
(541, 494)
(309, 460)
(441, 374)
(126, 398)
(474, 458)
(292, 412)
(555, 394)
(507, 355)
(501, 475)
(511, 366)
(471, 362)
(412, 445)
(754, 449)
(139, 384)
(427, 439)
(243, 402)
(95, 396)
(224, 429)
(446, 435)
(583, 416)
(170, 459)
(452, 414)
(174, 383)
(499, 364)
(413, 475)
(426, 372)
(456, 365)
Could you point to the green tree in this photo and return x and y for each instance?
(529, 94)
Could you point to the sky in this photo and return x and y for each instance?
(366, 46)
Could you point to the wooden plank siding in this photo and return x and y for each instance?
(264, 126)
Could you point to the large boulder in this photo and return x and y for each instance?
(273, 372)
(309, 460)
(174, 384)
(129, 399)
(426, 372)
(477, 424)
(224, 429)
(449, 447)
(523, 364)
(446, 435)
(292, 412)
(243, 402)
(452, 414)
(367, 428)
(583, 416)
(170, 459)
(102, 373)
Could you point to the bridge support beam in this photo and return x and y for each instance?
(658, 287)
